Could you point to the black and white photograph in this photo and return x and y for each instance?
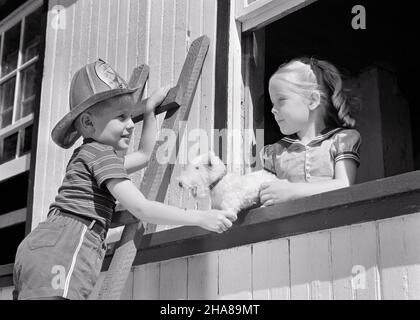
(211, 150)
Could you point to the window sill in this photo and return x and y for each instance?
(370, 201)
(14, 167)
(15, 127)
(12, 218)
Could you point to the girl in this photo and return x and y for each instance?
(319, 152)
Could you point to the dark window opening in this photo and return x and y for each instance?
(14, 193)
(10, 238)
(381, 61)
(8, 6)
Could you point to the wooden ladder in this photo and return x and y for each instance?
(155, 182)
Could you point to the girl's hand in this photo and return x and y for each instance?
(217, 220)
(156, 98)
(276, 192)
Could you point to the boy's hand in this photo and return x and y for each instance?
(156, 98)
(217, 220)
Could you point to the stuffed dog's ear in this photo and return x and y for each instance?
(212, 159)
(208, 162)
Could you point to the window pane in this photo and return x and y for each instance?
(27, 96)
(10, 50)
(25, 145)
(9, 148)
(32, 34)
(7, 94)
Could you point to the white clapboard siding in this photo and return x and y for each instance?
(43, 189)
(193, 16)
(125, 33)
(6, 293)
(203, 276)
(207, 85)
(270, 270)
(164, 56)
(127, 293)
(175, 194)
(137, 54)
(235, 273)
(373, 260)
(354, 262)
(399, 240)
(173, 279)
(113, 19)
(122, 38)
(310, 266)
(194, 137)
(146, 282)
(195, 11)
(93, 34)
(94, 294)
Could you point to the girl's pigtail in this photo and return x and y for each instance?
(332, 80)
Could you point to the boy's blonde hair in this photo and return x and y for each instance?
(320, 76)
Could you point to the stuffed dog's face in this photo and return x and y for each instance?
(200, 173)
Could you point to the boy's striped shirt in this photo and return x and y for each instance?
(83, 191)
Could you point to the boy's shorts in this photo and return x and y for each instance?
(61, 257)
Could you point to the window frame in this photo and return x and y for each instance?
(20, 163)
(262, 12)
(24, 161)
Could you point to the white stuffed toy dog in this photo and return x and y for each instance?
(228, 191)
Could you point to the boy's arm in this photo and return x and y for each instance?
(283, 190)
(158, 213)
(139, 159)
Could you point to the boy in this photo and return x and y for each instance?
(62, 257)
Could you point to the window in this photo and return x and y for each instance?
(19, 52)
(384, 75)
(21, 31)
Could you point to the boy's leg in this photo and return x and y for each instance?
(59, 258)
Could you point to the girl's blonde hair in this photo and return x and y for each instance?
(320, 76)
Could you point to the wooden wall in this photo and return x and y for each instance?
(374, 260)
(6, 293)
(125, 33)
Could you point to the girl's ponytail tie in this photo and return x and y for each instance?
(313, 61)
